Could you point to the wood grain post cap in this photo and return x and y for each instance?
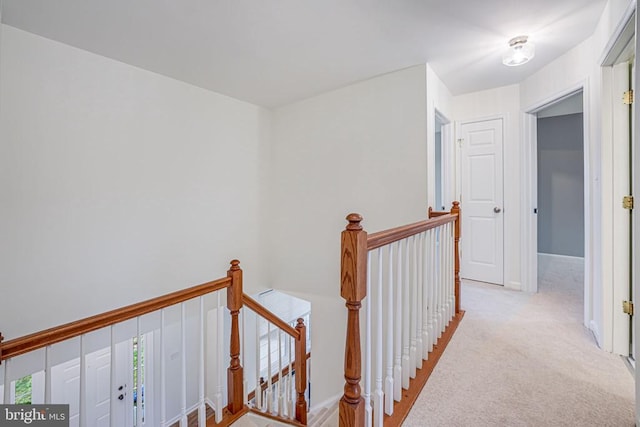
(354, 221)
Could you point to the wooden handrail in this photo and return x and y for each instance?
(433, 213)
(37, 340)
(299, 334)
(382, 238)
(268, 315)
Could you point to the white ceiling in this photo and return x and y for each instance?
(273, 52)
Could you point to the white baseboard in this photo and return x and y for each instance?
(326, 403)
(593, 327)
(564, 257)
(516, 286)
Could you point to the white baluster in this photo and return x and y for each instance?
(219, 358)
(406, 287)
(290, 382)
(397, 366)
(258, 392)
(139, 397)
(368, 416)
(443, 281)
(83, 381)
(269, 394)
(443, 294)
(388, 384)
(6, 382)
(432, 287)
(163, 373)
(202, 412)
(438, 299)
(47, 375)
(419, 294)
(112, 379)
(243, 347)
(449, 278)
(413, 351)
(378, 398)
(444, 260)
(280, 388)
(183, 356)
(425, 294)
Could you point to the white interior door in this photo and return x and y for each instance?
(621, 232)
(482, 201)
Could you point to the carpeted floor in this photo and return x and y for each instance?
(521, 359)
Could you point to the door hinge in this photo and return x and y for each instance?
(627, 97)
(627, 307)
(627, 202)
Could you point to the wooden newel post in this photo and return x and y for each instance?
(234, 372)
(353, 280)
(455, 209)
(301, 372)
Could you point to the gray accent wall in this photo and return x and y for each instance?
(561, 185)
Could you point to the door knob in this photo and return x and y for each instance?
(497, 209)
(121, 397)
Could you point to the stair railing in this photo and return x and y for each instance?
(172, 338)
(280, 370)
(408, 280)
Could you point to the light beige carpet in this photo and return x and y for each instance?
(521, 359)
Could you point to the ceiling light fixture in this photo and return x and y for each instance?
(520, 52)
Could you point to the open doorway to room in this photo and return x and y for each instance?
(444, 174)
(560, 200)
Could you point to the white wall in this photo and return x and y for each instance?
(360, 149)
(118, 184)
(560, 183)
(503, 102)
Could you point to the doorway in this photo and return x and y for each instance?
(560, 200)
(444, 162)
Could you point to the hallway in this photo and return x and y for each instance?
(521, 359)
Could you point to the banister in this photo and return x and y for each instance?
(355, 244)
(455, 209)
(301, 371)
(274, 378)
(37, 340)
(382, 238)
(268, 315)
(235, 371)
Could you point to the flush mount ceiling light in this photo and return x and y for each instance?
(520, 52)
